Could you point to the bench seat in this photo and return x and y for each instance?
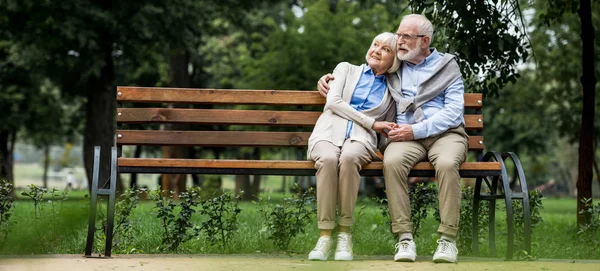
(277, 167)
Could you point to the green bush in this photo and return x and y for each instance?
(220, 214)
(7, 206)
(177, 223)
(283, 221)
(589, 232)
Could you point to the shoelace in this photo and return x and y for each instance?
(445, 246)
(321, 243)
(402, 246)
(343, 242)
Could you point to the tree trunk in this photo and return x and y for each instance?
(7, 146)
(178, 77)
(597, 170)
(46, 166)
(586, 136)
(100, 118)
(242, 183)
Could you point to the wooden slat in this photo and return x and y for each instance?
(473, 100)
(237, 96)
(476, 143)
(218, 96)
(272, 164)
(212, 138)
(474, 122)
(217, 116)
(236, 117)
(229, 138)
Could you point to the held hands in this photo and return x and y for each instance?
(402, 132)
(323, 84)
(383, 127)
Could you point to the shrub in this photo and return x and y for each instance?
(283, 221)
(178, 227)
(220, 214)
(123, 236)
(465, 229)
(7, 206)
(423, 197)
(589, 232)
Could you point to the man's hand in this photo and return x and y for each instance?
(383, 127)
(403, 132)
(323, 84)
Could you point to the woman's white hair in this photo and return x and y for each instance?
(388, 39)
(424, 25)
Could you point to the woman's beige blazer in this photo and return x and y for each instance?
(331, 125)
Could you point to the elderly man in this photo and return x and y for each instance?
(430, 126)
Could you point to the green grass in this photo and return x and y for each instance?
(63, 231)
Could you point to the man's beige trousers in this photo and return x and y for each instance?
(446, 152)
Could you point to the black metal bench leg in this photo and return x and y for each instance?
(93, 204)
(492, 218)
(525, 199)
(475, 219)
(111, 202)
(510, 220)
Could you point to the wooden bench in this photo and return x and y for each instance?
(276, 120)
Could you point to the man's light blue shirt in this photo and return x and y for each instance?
(442, 112)
(368, 93)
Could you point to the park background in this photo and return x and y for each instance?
(60, 63)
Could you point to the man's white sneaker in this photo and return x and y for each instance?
(446, 252)
(407, 251)
(343, 251)
(322, 249)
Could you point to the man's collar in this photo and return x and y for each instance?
(433, 54)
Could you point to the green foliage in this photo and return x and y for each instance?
(557, 46)
(7, 206)
(487, 37)
(221, 214)
(465, 230)
(123, 231)
(37, 195)
(423, 197)
(535, 207)
(303, 47)
(283, 221)
(178, 227)
(590, 231)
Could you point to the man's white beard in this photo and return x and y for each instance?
(411, 53)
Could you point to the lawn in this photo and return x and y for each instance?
(61, 228)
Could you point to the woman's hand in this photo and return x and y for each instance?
(384, 127)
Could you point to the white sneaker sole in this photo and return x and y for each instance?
(318, 256)
(343, 257)
(443, 259)
(404, 258)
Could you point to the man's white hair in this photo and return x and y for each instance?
(425, 26)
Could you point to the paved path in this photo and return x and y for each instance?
(272, 262)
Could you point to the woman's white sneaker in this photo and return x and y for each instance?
(343, 251)
(322, 250)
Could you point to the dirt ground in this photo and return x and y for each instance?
(269, 262)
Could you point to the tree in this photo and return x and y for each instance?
(558, 17)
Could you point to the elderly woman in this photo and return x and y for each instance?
(344, 139)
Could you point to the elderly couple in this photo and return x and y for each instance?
(408, 102)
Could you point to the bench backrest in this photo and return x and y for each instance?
(236, 118)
